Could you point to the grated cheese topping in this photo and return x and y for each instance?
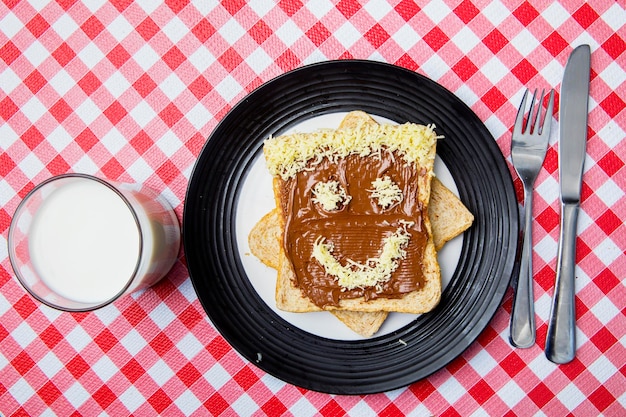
(330, 195)
(372, 273)
(289, 154)
(386, 192)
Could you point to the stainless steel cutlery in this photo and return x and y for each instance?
(528, 149)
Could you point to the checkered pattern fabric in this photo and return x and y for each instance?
(131, 90)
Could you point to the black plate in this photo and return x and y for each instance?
(381, 363)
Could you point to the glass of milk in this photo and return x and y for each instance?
(77, 242)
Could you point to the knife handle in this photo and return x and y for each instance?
(561, 337)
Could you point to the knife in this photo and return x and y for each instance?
(561, 337)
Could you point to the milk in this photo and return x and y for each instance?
(85, 242)
(77, 242)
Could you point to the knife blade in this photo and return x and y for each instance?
(574, 101)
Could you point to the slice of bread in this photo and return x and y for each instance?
(448, 215)
(450, 220)
(405, 151)
(264, 239)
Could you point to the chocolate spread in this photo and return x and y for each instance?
(357, 229)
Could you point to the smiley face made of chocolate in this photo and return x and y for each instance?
(353, 212)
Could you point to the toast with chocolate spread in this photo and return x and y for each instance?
(353, 209)
(451, 219)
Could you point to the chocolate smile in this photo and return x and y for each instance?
(371, 273)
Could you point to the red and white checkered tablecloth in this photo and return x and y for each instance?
(131, 90)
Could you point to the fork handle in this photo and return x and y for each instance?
(522, 329)
(561, 337)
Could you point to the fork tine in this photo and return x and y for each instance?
(547, 120)
(519, 120)
(531, 116)
(537, 121)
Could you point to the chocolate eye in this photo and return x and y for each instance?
(331, 195)
(386, 192)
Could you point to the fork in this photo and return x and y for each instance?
(528, 151)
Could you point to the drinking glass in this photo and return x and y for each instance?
(78, 242)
